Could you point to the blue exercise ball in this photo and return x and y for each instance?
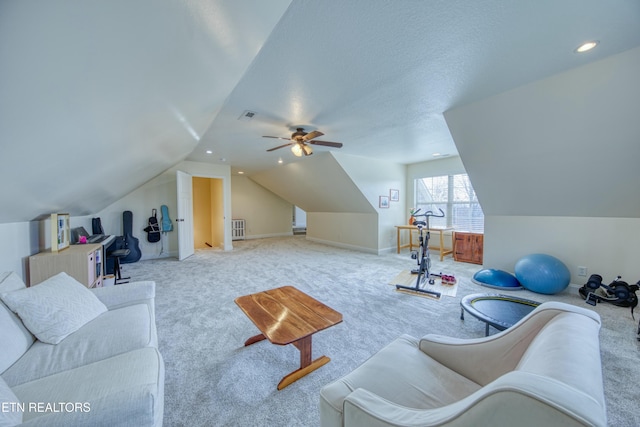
(542, 273)
(499, 279)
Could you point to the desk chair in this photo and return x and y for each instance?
(116, 255)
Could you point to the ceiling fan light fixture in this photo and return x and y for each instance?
(296, 149)
(300, 140)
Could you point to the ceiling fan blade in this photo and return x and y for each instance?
(276, 137)
(326, 143)
(312, 135)
(280, 146)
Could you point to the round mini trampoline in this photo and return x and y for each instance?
(497, 310)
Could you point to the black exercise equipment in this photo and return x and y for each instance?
(617, 292)
(424, 262)
(497, 310)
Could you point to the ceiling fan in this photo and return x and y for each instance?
(299, 140)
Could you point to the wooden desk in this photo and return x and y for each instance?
(410, 245)
(288, 316)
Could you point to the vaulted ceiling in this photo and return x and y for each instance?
(98, 97)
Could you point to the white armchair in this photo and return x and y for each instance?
(545, 370)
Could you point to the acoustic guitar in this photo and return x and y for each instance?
(130, 242)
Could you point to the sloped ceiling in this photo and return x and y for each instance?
(97, 97)
(318, 185)
(377, 75)
(563, 146)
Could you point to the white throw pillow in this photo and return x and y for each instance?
(10, 413)
(55, 308)
(14, 336)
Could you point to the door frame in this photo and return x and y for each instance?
(226, 200)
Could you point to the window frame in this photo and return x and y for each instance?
(473, 224)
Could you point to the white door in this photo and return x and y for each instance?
(185, 215)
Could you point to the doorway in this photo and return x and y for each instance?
(208, 213)
(299, 221)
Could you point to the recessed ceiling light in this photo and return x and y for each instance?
(280, 161)
(436, 154)
(585, 47)
(240, 173)
(209, 152)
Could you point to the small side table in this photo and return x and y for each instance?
(410, 245)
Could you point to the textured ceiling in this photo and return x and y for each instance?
(378, 75)
(98, 97)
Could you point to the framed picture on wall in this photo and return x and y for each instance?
(394, 195)
(384, 201)
(60, 232)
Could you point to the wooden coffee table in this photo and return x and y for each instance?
(288, 316)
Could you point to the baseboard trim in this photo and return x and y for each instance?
(264, 236)
(343, 245)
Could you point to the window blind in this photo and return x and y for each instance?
(453, 194)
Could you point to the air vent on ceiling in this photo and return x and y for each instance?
(247, 115)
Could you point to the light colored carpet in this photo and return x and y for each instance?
(213, 380)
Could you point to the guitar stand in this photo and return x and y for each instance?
(117, 254)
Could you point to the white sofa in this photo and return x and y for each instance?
(543, 371)
(107, 373)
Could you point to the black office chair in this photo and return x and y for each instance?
(116, 255)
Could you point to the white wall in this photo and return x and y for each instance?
(566, 145)
(339, 212)
(162, 190)
(347, 230)
(19, 241)
(438, 167)
(318, 183)
(606, 246)
(265, 213)
(375, 178)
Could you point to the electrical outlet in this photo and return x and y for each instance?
(582, 271)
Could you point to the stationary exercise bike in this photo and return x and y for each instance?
(422, 257)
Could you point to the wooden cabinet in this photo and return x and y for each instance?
(468, 247)
(82, 262)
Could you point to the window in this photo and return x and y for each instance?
(455, 196)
